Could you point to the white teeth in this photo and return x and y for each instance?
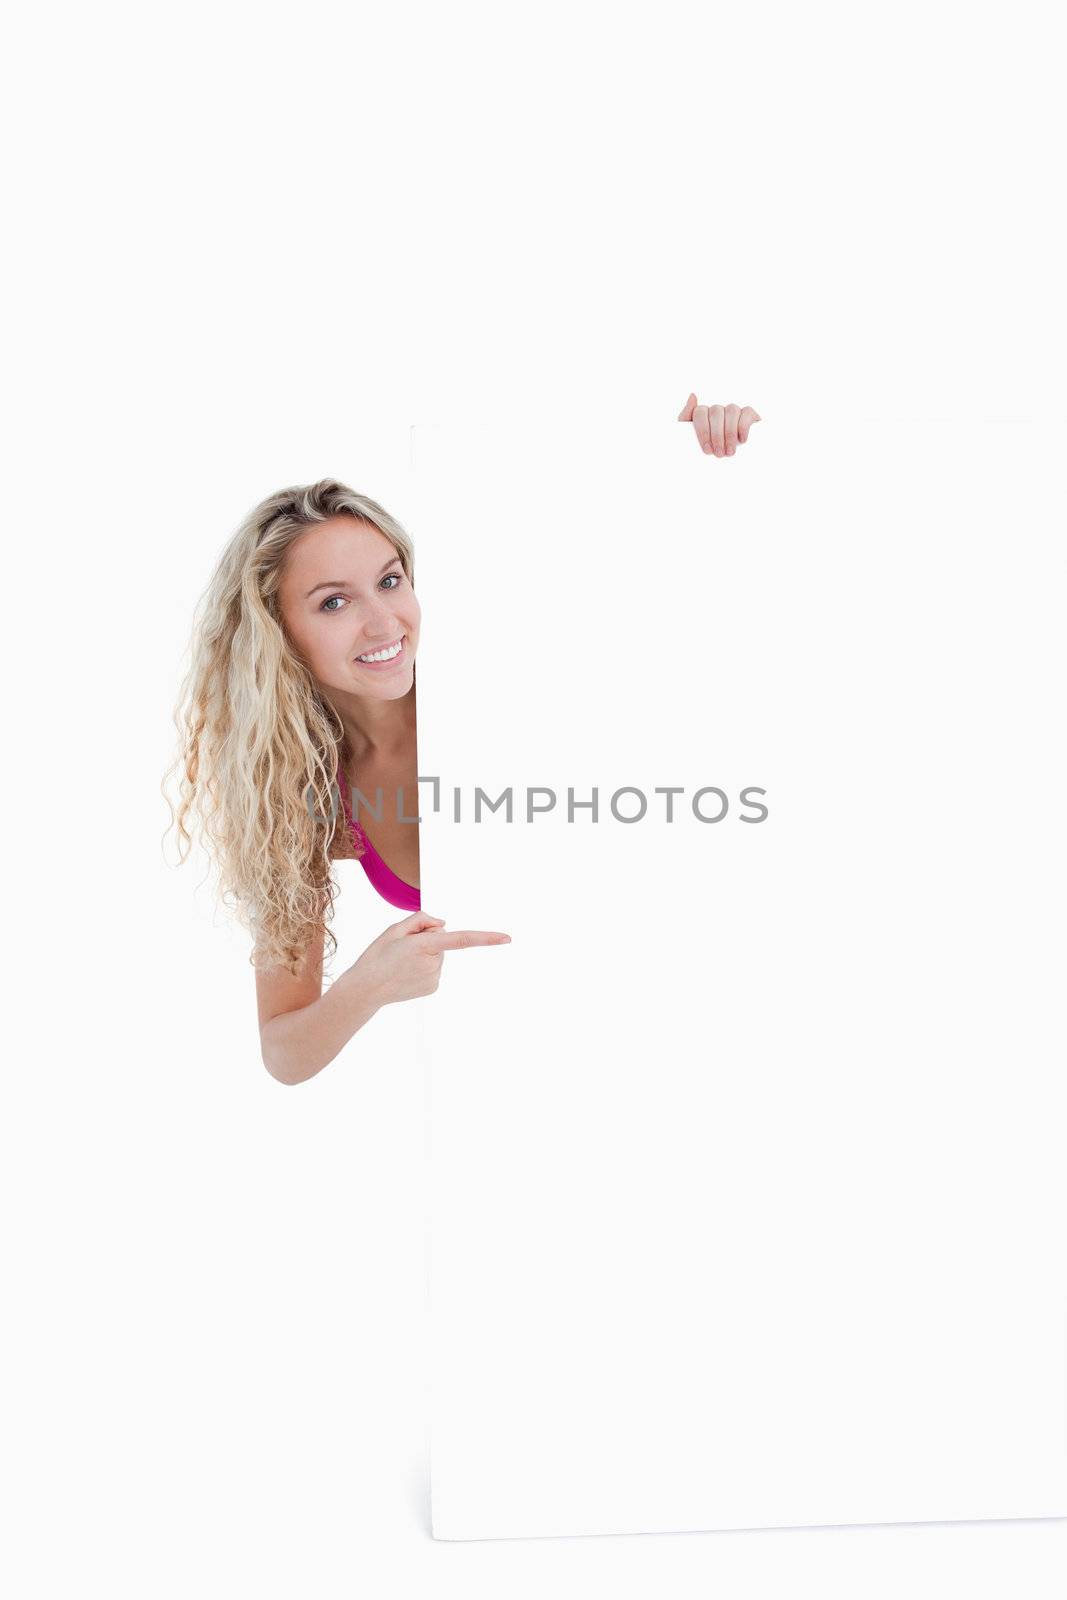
(383, 655)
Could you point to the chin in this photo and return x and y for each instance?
(394, 690)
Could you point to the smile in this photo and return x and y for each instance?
(388, 653)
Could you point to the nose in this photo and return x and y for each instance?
(381, 626)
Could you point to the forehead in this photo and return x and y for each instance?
(349, 547)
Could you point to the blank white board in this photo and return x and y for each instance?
(748, 1197)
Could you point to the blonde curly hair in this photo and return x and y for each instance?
(259, 746)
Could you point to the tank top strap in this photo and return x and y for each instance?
(382, 877)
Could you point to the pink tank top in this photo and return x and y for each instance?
(383, 878)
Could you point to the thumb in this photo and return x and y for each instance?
(686, 413)
(416, 923)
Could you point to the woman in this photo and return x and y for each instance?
(298, 710)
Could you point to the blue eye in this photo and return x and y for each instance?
(396, 578)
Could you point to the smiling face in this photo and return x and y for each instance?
(344, 595)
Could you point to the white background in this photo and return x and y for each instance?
(249, 250)
(747, 1174)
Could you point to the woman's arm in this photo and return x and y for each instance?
(301, 1029)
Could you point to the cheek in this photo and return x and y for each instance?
(320, 643)
(301, 639)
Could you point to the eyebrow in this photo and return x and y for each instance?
(339, 583)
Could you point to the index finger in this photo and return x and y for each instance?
(463, 940)
(745, 421)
